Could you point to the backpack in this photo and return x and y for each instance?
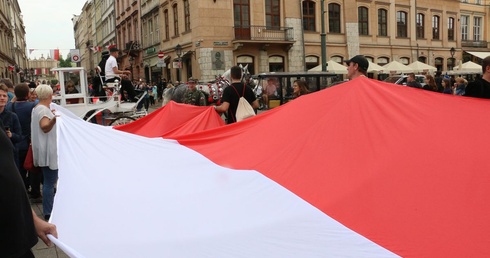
(244, 110)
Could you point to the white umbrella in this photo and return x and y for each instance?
(397, 67)
(418, 67)
(373, 68)
(468, 68)
(332, 67)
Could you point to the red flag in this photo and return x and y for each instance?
(55, 54)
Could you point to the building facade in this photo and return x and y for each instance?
(13, 60)
(128, 37)
(202, 39)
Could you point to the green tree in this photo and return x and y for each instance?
(65, 62)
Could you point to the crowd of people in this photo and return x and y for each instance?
(27, 122)
(479, 88)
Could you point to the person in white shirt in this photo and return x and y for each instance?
(111, 69)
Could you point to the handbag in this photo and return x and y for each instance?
(29, 161)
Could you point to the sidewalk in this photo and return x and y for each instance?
(40, 250)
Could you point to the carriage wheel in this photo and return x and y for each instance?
(122, 121)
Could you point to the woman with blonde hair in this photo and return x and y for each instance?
(44, 150)
(430, 83)
(460, 86)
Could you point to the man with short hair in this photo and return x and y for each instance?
(412, 82)
(192, 95)
(357, 66)
(112, 71)
(480, 88)
(232, 94)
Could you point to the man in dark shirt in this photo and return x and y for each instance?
(412, 82)
(480, 88)
(18, 223)
(232, 94)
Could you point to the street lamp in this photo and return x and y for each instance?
(323, 38)
(178, 51)
(452, 51)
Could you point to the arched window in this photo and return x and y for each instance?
(363, 20)
(187, 16)
(401, 24)
(450, 63)
(382, 22)
(439, 63)
(247, 60)
(405, 60)
(337, 59)
(420, 26)
(334, 18)
(382, 60)
(370, 59)
(422, 59)
(276, 64)
(435, 27)
(309, 15)
(311, 62)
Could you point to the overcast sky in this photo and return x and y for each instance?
(48, 25)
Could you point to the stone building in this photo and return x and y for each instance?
(203, 39)
(13, 59)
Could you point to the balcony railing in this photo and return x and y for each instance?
(477, 44)
(264, 33)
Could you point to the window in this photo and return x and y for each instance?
(382, 22)
(383, 60)
(405, 60)
(477, 29)
(311, 62)
(309, 16)
(334, 18)
(272, 13)
(176, 20)
(450, 29)
(363, 20)
(420, 26)
(464, 27)
(167, 29)
(187, 16)
(450, 63)
(435, 27)
(151, 39)
(438, 63)
(156, 18)
(401, 24)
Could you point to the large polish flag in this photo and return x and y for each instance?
(363, 169)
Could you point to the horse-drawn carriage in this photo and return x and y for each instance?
(80, 102)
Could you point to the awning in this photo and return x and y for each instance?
(481, 55)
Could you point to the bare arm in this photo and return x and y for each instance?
(44, 228)
(222, 108)
(47, 124)
(117, 71)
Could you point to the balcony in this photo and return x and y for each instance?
(264, 33)
(474, 43)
